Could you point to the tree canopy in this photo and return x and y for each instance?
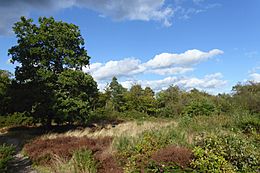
(50, 55)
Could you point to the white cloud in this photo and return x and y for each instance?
(187, 58)
(154, 84)
(255, 77)
(208, 83)
(125, 67)
(170, 71)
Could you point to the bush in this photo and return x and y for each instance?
(102, 114)
(207, 161)
(6, 154)
(16, 119)
(197, 108)
(226, 152)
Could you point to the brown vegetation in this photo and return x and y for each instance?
(173, 154)
(44, 151)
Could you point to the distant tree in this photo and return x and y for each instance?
(140, 99)
(116, 91)
(134, 98)
(149, 101)
(44, 51)
(247, 96)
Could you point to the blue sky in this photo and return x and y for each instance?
(208, 44)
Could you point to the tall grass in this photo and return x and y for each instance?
(82, 161)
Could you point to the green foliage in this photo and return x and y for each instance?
(247, 96)
(75, 95)
(223, 103)
(197, 108)
(83, 161)
(141, 100)
(171, 102)
(206, 161)
(116, 95)
(6, 155)
(16, 119)
(100, 115)
(225, 153)
(49, 47)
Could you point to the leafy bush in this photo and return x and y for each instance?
(103, 114)
(15, 119)
(207, 161)
(6, 152)
(219, 152)
(197, 108)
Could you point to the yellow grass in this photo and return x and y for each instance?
(130, 129)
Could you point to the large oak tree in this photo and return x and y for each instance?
(44, 51)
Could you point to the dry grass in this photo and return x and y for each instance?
(130, 129)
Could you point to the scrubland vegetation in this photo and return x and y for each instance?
(55, 115)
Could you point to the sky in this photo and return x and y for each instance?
(210, 45)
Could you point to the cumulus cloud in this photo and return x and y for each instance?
(145, 10)
(125, 67)
(207, 83)
(187, 58)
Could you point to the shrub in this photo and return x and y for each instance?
(221, 151)
(207, 161)
(6, 154)
(101, 115)
(197, 108)
(16, 119)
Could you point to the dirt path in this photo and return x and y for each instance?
(20, 163)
